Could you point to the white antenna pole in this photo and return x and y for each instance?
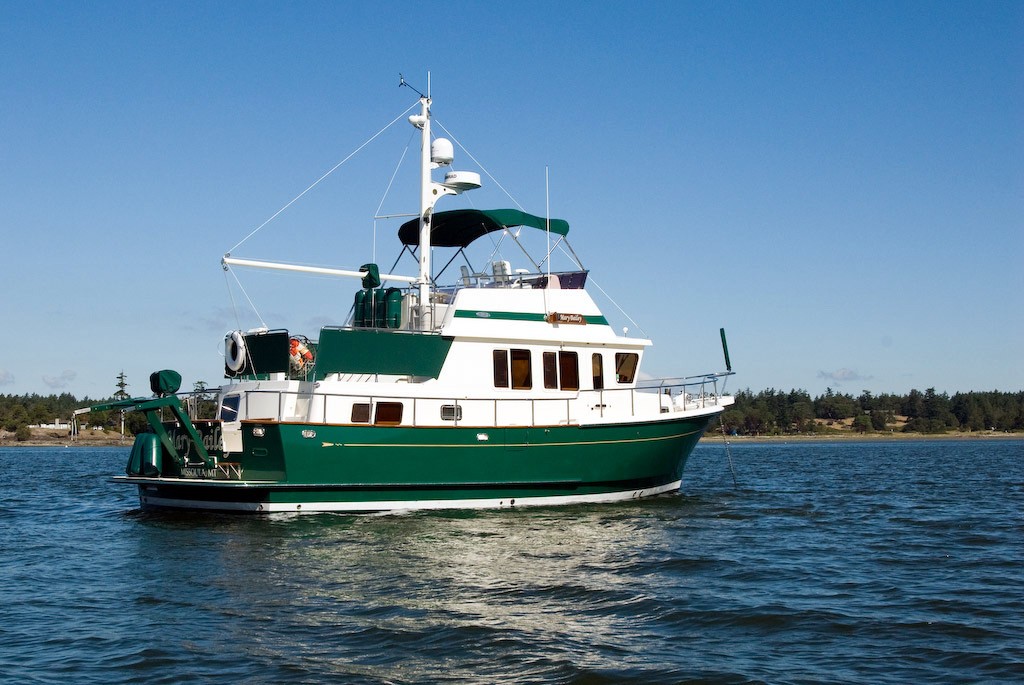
(426, 205)
(547, 215)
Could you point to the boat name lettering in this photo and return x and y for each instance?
(198, 472)
(183, 443)
(576, 319)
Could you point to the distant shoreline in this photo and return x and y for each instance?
(863, 437)
(50, 438)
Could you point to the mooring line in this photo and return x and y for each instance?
(728, 452)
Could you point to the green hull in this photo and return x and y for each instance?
(304, 467)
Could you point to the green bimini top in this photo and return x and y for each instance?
(460, 227)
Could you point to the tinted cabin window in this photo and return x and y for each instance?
(361, 413)
(625, 366)
(389, 413)
(569, 370)
(501, 368)
(229, 408)
(598, 366)
(550, 371)
(522, 374)
(451, 412)
(561, 371)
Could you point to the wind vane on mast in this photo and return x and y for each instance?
(403, 82)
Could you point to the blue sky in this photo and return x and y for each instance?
(839, 185)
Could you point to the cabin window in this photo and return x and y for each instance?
(388, 413)
(522, 374)
(519, 372)
(564, 367)
(598, 367)
(569, 370)
(229, 408)
(501, 368)
(550, 371)
(625, 366)
(361, 413)
(451, 412)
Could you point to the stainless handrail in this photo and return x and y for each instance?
(696, 394)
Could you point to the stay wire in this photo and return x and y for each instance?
(231, 296)
(249, 299)
(621, 310)
(387, 190)
(317, 182)
(477, 162)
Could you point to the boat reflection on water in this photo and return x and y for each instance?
(339, 592)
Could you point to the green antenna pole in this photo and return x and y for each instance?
(725, 350)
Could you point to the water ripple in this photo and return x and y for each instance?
(844, 563)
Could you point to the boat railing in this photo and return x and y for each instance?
(647, 398)
(501, 275)
(707, 382)
(690, 392)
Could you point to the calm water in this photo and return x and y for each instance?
(852, 563)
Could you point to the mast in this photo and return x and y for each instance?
(455, 182)
(426, 209)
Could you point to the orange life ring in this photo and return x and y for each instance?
(298, 354)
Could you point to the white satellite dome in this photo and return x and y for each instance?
(441, 152)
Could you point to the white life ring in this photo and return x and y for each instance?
(234, 351)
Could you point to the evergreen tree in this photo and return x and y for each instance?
(122, 384)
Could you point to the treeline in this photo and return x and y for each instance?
(774, 412)
(18, 412)
(23, 410)
(768, 412)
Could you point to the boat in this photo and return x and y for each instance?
(500, 387)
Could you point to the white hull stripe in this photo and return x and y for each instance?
(407, 505)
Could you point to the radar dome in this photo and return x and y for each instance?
(441, 152)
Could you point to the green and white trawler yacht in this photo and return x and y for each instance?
(505, 388)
